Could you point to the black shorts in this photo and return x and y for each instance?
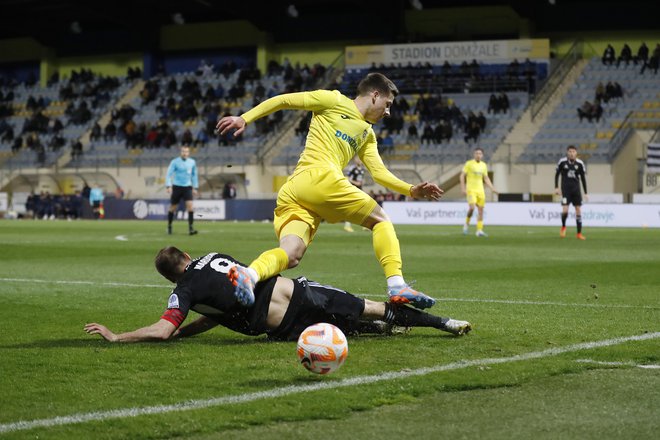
(571, 197)
(181, 192)
(312, 303)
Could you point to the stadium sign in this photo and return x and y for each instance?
(489, 52)
(524, 214)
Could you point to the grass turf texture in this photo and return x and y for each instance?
(524, 289)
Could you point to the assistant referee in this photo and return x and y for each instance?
(182, 182)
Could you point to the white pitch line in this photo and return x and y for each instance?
(362, 295)
(616, 364)
(297, 389)
(90, 283)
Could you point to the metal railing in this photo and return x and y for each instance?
(557, 77)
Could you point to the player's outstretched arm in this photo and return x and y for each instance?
(426, 191)
(200, 325)
(231, 122)
(160, 331)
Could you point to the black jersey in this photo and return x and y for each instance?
(356, 174)
(572, 172)
(205, 289)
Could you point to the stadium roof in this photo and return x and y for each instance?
(51, 22)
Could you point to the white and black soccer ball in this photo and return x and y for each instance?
(322, 348)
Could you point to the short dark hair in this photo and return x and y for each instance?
(571, 147)
(479, 149)
(379, 82)
(168, 261)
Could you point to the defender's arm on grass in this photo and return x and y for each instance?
(160, 331)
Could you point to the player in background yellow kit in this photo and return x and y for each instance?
(340, 128)
(475, 172)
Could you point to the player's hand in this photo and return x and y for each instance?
(169, 190)
(464, 191)
(231, 122)
(98, 329)
(557, 191)
(586, 197)
(196, 192)
(426, 191)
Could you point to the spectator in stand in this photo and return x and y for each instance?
(481, 120)
(17, 145)
(493, 104)
(601, 92)
(472, 130)
(625, 55)
(514, 69)
(504, 102)
(642, 54)
(412, 132)
(654, 61)
(585, 111)
(428, 134)
(187, 137)
(96, 132)
(110, 131)
(608, 55)
(612, 90)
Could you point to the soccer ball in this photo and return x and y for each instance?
(322, 348)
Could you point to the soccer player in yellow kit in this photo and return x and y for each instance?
(476, 172)
(340, 128)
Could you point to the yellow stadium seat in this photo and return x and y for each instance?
(646, 104)
(616, 124)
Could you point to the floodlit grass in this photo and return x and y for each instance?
(524, 289)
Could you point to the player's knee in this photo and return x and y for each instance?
(294, 260)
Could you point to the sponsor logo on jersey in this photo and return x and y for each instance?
(173, 302)
(348, 139)
(344, 117)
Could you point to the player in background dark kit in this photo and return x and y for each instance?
(572, 171)
(182, 182)
(356, 177)
(281, 308)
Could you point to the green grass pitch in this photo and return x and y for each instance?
(535, 364)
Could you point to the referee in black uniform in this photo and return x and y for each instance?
(572, 171)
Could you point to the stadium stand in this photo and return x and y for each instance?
(597, 139)
(184, 108)
(45, 120)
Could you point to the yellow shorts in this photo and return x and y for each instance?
(316, 194)
(476, 198)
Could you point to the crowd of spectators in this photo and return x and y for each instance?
(456, 78)
(439, 119)
(626, 56)
(197, 97)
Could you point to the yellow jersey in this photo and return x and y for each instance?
(337, 132)
(474, 175)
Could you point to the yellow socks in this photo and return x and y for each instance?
(480, 225)
(386, 247)
(270, 263)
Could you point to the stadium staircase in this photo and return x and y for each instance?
(536, 114)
